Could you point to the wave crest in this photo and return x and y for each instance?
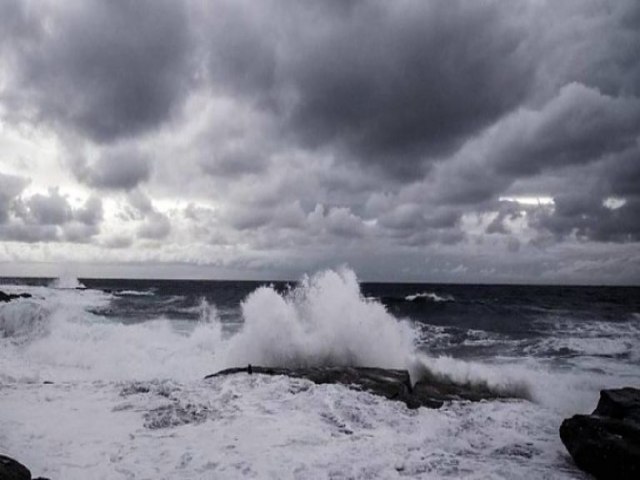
(324, 321)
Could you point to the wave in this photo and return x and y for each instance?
(66, 282)
(429, 296)
(22, 320)
(325, 320)
(134, 293)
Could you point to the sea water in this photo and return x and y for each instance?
(104, 378)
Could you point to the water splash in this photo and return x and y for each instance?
(324, 321)
(66, 282)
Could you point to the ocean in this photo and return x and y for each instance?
(103, 378)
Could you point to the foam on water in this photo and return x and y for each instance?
(434, 297)
(324, 321)
(129, 400)
(271, 427)
(134, 293)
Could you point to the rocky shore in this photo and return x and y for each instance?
(429, 391)
(606, 443)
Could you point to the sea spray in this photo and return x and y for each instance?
(66, 282)
(324, 321)
(57, 336)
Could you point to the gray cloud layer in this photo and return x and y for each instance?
(298, 129)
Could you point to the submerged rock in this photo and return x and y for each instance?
(7, 297)
(11, 469)
(430, 391)
(607, 442)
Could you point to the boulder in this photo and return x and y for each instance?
(430, 391)
(606, 443)
(11, 469)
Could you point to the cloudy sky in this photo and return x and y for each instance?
(442, 140)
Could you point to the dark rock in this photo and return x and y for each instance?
(621, 403)
(11, 469)
(607, 442)
(430, 391)
(7, 297)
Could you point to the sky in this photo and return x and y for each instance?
(441, 141)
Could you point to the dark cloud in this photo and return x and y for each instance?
(155, 227)
(50, 218)
(391, 83)
(577, 127)
(234, 161)
(91, 213)
(20, 232)
(10, 187)
(107, 69)
(507, 210)
(580, 125)
(595, 44)
(116, 168)
(78, 232)
(589, 218)
(50, 209)
(308, 132)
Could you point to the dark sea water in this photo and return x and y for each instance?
(161, 336)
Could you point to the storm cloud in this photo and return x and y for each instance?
(443, 140)
(106, 69)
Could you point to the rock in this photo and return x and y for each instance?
(606, 443)
(11, 469)
(7, 297)
(430, 391)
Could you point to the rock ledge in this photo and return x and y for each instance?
(606, 443)
(430, 391)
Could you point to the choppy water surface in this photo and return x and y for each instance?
(127, 357)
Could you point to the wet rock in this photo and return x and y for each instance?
(606, 443)
(11, 469)
(430, 391)
(7, 297)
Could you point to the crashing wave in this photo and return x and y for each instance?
(66, 282)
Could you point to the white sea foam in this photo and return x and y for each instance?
(324, 321)
(434, 297)
(271, 427)
(129, 400)
(135, 293)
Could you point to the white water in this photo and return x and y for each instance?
(66, 281)
(325, 321)
(434, 297)
(115, 383)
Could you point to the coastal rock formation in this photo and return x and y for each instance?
(430, 391)
(11, 469)
(7, 297)
(607, 442)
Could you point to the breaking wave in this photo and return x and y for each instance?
(66, 282)
(429, 296)
(134, 293)
(323, 321)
